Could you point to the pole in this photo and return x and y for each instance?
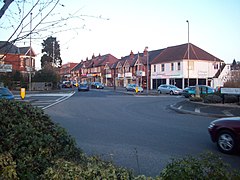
(147, 68)
(188, 53)
(114, 74)
(30, 62)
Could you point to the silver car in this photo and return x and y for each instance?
(169, 89)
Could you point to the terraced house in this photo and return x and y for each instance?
(180, 65)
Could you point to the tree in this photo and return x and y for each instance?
(234, 81)
(47, 74)
(51, 50)
(235, 65)
(38, 19)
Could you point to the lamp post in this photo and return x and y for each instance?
(30, 62)
(146, 49)
(188, 53)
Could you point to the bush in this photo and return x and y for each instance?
(32, 139)
(212, 98)
(206, 166)
(230, 99)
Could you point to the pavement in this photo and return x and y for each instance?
(185, 106)
(204, 109)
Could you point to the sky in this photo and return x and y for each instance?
(121, 26)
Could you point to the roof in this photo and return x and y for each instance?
(26, 51)
(180, 52)
(8, 48)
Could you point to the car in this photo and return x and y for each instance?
(191, 90)
(169, 89)
(67, 84)
(97, 85)
(226, 133)
(5, 93)
(134, 87)
(83, 87)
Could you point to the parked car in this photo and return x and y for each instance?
(191, 90)
(169, 89)
(83, 87)
(226, 133)
(97, 85)
(133, 87)
(5, 93)
(67, 84)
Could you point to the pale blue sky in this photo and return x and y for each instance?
(134, 24)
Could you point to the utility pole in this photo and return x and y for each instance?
(188, 53)
(30, 61)
(146, 49)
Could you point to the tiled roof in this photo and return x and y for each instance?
(8, 48)
(180, 52)
(77, 67)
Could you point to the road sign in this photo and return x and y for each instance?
(6, 68)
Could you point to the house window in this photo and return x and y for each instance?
(154, 68)
(215, 66)
(163, 67)
(179, 66)
(172, 66)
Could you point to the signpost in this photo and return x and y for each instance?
(6, 68)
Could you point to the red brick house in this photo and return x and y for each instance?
(65, 71)
(16, 58)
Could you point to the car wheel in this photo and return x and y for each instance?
(171, 92)
(159, 92)
(226, 142)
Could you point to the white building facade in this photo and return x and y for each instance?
(174, 67)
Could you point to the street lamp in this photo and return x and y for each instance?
(30, 62)
(146, 49)
(188, 53)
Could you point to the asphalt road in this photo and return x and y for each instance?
(138, 132)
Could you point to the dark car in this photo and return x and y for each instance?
(191, 90)
(97, 85)
(83, 87)
(67, 84)
(226, 133)
(5, 93)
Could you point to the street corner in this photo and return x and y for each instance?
(202, 109)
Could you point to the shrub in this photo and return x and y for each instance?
(32, 139)
(206, 166)
(7, 167)
(212, 98)
(230, 99)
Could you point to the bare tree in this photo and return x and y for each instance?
(38, 18)
(234, 81)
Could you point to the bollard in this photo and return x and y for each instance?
(136, 89)
(22, 93)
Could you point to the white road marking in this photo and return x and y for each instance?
(66, 96)
(227, 113)
(197, 110)
(180, 107)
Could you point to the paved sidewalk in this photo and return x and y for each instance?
(203, 109)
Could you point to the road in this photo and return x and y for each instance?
(138, 132)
